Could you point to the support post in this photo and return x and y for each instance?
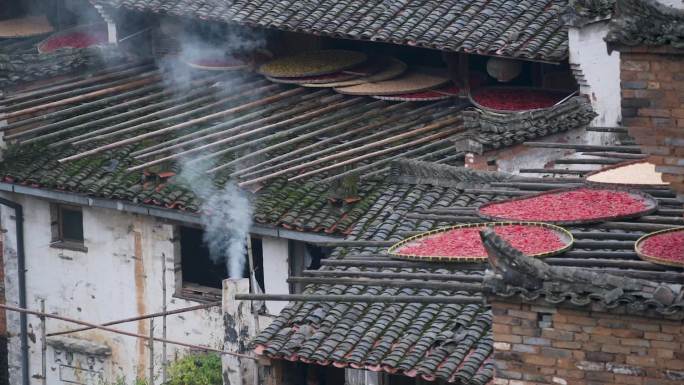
(238, 327)
(43, 343)
(151, 346)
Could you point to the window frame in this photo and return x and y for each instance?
(57, 227)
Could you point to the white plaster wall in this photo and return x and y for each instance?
(673, 3)
(276, 271)
(601, 70)
(100, 286)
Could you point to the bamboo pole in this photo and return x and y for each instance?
(260, 167)
(422, 157)
(227, 128)
(387, 275)
(453, 299)
(306, 116)
(111, 118)
(185, 124)
(82, 107)
(465, 286)
(372, 165)
(84, 97)
(107, 114)
(141, 317)
(619, 130)
(122, 332)
(387, 150)
(362, 148)
(615, 155)
(70, 93)
(363, 110)
(553, 171)
(168, 114)
(587, 161)
(69, 84)
(257, 169)
(585, 147)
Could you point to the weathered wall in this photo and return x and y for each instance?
(598, 70)
(119, 276)
(548, 345)
(653, 107)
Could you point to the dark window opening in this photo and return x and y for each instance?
(199, 268)
(67, 226)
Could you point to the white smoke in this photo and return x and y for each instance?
(226, 214)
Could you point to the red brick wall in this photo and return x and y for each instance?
(549, 345)
(653, 107)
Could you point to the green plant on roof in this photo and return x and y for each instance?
(196, 369)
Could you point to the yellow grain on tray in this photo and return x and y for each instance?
(412, 81)
(312, 63)
(25, 26)
(642, 173)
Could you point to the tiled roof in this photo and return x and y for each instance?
(525, 29)
(21, 63)
(447, 342)
(269, 129)
(647, 23)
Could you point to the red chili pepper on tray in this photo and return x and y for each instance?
(667, 246)
(580, 204)
(466, 242)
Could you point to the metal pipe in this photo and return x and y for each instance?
(117, 331)
(457, 299)
(21, 271)
(141, 317)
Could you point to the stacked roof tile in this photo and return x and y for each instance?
(448, 342)
(525, 29)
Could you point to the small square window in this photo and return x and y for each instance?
(67, 226)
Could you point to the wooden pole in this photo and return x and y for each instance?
(382, 152)
(150, 344)
(117, 331)
(43, 343)
(585, 147)
(185, 124)
(243, 122)
(464, 286)
(615, 155)
(236, 137)
(363, 148)
(384, 124)
(164, 310)
(453, 299)
(141, 317)
(260, 167)
(84, 97)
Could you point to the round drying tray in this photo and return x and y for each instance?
(312, 63)
(25, 27)
(409, 82)
(650, 202)
(563, 235)
(628, 167)
(97, 28)
(386, 68)
(638, 247)
(217, 65)
(563, 96)
(308, 81)
(451, 91)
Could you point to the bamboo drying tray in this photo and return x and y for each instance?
(239, 65)
(85, 27)
(309, 81)
(494, 110)
(652, 258)
(564, 235)
(651, 203)
(409, 82)
(25, 27)
(425, 96)
(621, 165)
(312, 63)
(385, 68)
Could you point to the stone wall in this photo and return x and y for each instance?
(652, 87)
(552, 345)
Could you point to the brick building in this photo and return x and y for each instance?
(650, 38)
